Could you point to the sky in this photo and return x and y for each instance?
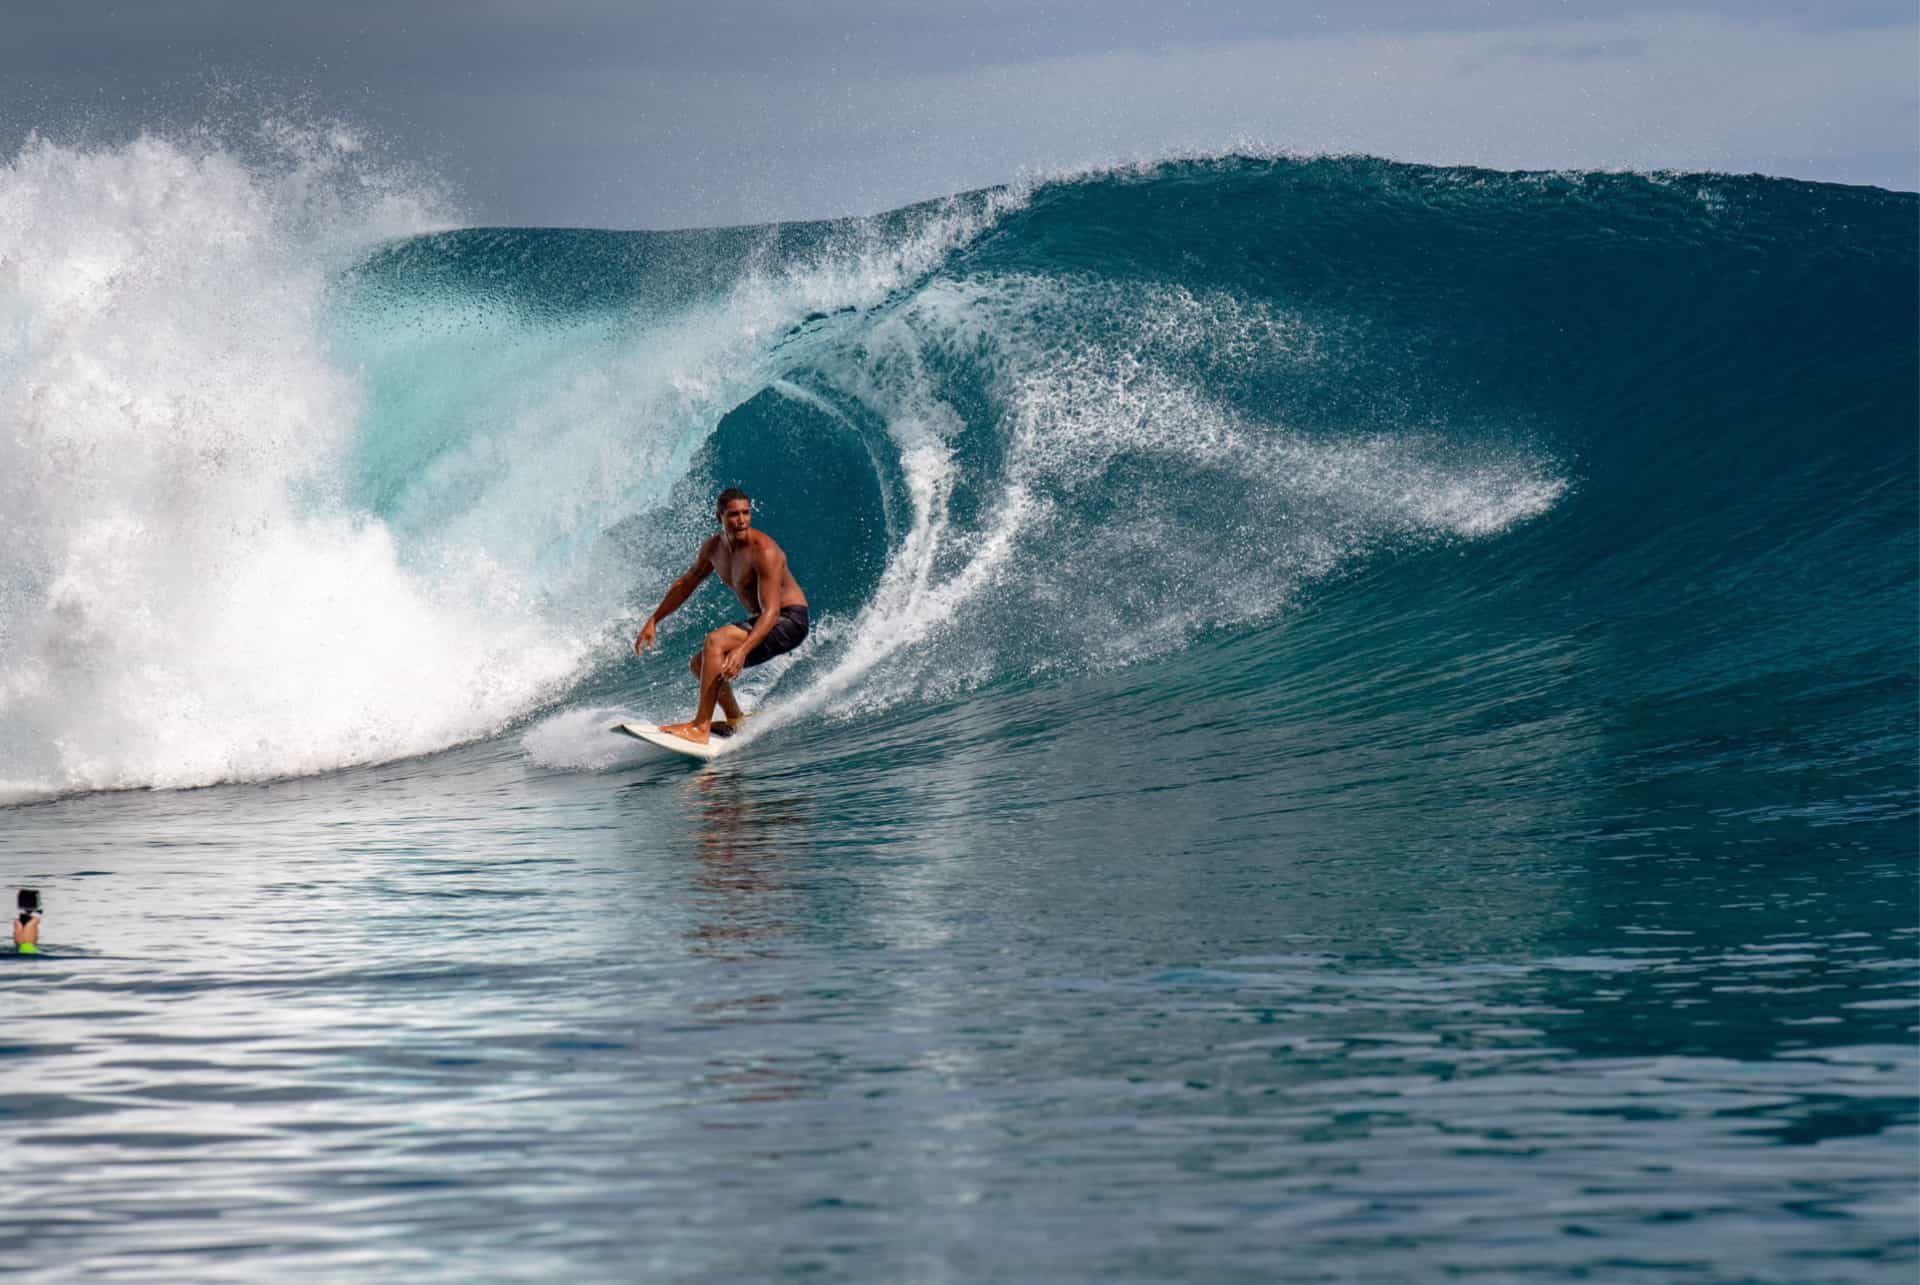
(638, 114)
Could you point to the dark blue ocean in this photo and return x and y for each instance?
(1361, 725)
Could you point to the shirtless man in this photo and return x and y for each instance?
(753, 566)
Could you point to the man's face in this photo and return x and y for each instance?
(735, 518)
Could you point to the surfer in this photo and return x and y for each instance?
(753, 566)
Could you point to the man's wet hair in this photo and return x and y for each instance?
(728, 496)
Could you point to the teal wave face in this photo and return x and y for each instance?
(1622, 462)
(1087, 424)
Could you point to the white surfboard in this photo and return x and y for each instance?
(677, 744)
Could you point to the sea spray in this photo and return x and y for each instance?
(187, 598)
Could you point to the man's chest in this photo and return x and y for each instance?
(736, 571)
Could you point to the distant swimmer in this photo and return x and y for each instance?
(26, 928)
(753, 566)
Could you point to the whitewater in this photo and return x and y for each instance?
(1360, 721)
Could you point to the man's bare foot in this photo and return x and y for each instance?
(695, 732)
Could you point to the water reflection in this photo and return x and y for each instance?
(746, 844)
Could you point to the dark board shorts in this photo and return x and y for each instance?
(787, 633)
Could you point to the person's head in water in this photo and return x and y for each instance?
(734, 508)
(26, 929)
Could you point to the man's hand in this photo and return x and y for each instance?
(733, 663)
(645, 640)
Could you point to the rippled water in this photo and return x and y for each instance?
(993, 997)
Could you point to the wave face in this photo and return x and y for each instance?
(293, 481)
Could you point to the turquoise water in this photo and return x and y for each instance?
(1361, 726)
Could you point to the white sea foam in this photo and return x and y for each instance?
(184, 597)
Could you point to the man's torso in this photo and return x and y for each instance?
(736, 568)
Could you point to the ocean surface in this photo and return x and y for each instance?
(1361, 726)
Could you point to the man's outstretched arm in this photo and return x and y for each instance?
(677, 592)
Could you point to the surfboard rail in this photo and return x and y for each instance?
(652, 735)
